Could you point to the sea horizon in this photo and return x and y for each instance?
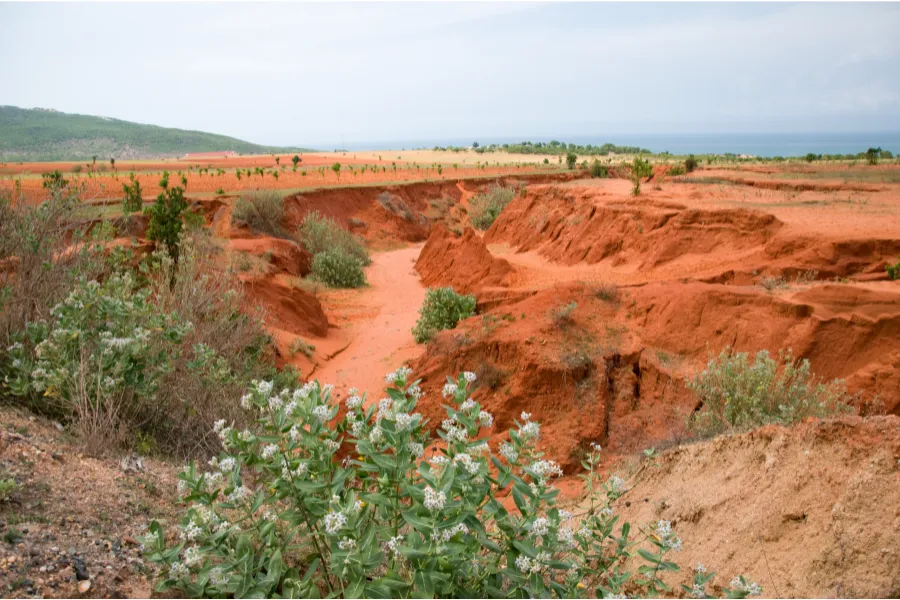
(753, 144)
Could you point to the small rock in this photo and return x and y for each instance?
(84, 586)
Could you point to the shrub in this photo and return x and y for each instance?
(442, 309)
(737, 394)
(278, 514)
(640, 168)
(261, 211)
(303, 347)
(675, 171)
(134, 196)
(165, 216)
(608, 292)
(562, 315)
(599, 170)
(320, 233)
(893, 270)
(690, 164)
(571, 159)
(872, 155)
(123, 362)
(771, 283)
(337, 268)
(77, 168)
(43, 251)
(485, 208)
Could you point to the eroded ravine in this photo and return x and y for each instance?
(379, 337)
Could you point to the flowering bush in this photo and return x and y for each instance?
(307, 504)
(99, 357)
(443, 308)
(737, 394)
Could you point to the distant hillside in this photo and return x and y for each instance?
(42, 134)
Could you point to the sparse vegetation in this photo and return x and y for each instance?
(261, 211)
(608, 292)
(598, 170)
(303, 347)
(690, 164)
(571, 159)
(893, 270)
(639, 169)
(443, 309)
(134, 199)
(486, 207)
(562, 315)
(319, 233)
(771, 283)
(739, 394)
(165, 217)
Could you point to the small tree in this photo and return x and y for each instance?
(690, 164)
(571, 159)
(165, 217)
(336, 167)
(872, 155)
(296, 160)
(134, 198)
(112, 163)
(640, 168)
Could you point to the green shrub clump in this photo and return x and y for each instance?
(134, 198)
(690, 164)
(443, 309)
(571, 159)
(320, 233)
(261, 211)
(485, 208)
(278, 514)
(893, 270)
(165, 216)
(639, 169)
(599, 170)
(337, 268)
(737, 394)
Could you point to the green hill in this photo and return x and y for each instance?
(45, 134)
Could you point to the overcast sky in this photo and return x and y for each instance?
(303, 74)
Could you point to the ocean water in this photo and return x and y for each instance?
(754, 144)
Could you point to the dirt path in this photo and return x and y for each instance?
(377, 322)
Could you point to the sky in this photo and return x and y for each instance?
(306, 74)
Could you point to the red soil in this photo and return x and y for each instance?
(462, 262)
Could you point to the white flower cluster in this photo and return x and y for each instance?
(743, 584)
(400, 376)
(450, 389)
(354, 402)
(434, 500)
(508, 451)
(540, 526)
(347, 544)
(469, 376)
(393, 545)
(536, 565)
(666, 535)
(616, 484)
(546, 468)
(470, 465)
(416, 449)
(334, 522)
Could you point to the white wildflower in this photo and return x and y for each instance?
(321, 413)
(508, 451)
(192, 556)
(347, 544)
(416, 449)
(468, 405)
(177, 570)
(449, 390)
(334, 521)
(469, 376)
(217, 576)
(540, 526)
(354, 402)
(269, 451)
(376, 435)
(434, 500)
(485, 419)
(226, 465)
(331, 446)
